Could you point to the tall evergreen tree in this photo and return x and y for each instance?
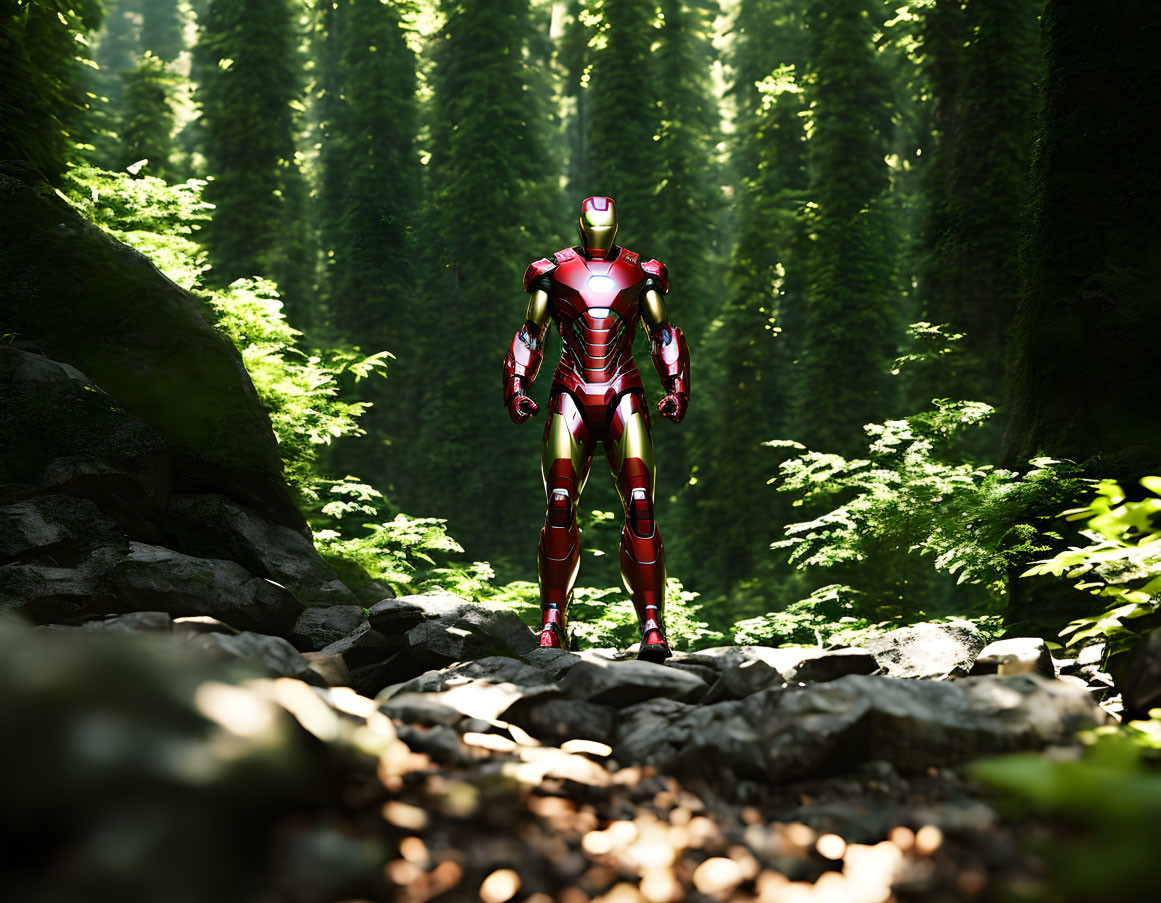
(44, 104)
(851, 320)
(372, 167)
(748, 352)
(146, 128)
(1087, 332)
(687, 213)
(369, 205)
(574, 56)
(981, 61)
(162, 29)
(491, 204)
(1083, 379)
(687, 208)
(249, 91)
(624, 119)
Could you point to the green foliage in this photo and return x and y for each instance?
(408, 554)
(930, 343)
(1122, 563)
(908, 497)
(1110, 800)
(300, 389)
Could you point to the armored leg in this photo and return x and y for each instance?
(629, 450)
(566, 453)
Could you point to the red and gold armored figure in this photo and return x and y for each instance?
(596, 293)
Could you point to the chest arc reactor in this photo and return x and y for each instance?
(601, 284)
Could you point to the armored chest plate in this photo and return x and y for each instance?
(595, 306)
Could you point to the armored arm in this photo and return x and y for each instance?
(527, 349)
(670, 353)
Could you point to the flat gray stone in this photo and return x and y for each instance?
(1017, 655)
(272, 654)
(927, 651)
(153, 578)
(620, 684)
(784, 734)
(319, 626)
(485, 689)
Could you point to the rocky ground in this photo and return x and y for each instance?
(428, 750)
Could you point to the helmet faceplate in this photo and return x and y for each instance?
(598, 226)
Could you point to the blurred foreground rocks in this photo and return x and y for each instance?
(139, 768)
(186, 759)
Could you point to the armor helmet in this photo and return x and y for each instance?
(598, 226)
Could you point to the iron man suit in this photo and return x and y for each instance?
(596, 293)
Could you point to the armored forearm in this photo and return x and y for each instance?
(671, 359)
(669, 352)
(523, 360)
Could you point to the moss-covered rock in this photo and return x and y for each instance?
(90, 301)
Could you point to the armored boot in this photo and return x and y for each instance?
(553, 630)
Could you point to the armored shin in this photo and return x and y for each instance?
(643, 561)
(558, 557)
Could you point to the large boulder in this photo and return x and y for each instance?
(91, 302)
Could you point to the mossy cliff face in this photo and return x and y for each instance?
(138, 469)
(84, 299)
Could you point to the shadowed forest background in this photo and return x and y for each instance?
(909, 244)
(915, 248)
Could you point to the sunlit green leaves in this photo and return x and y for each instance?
(1122, 563)
(910, 495)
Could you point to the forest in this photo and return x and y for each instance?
(277, 247)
